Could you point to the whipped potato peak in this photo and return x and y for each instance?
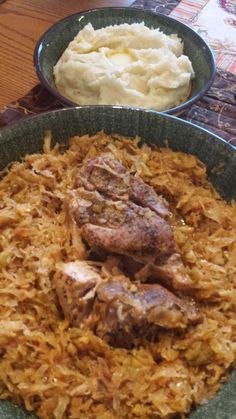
(124, 65)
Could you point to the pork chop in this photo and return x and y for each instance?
(121, 226)
(75, 285)
(109, 177)
(119, 213)
(115, 308)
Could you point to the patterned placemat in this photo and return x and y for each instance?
(215, 112)
(219, 32)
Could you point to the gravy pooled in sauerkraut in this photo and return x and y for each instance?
(124, 65)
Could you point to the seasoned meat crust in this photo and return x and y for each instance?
(110, 177)
(121, 226)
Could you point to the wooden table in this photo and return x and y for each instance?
(21, 24)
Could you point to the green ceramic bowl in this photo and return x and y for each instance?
(53, 42)
(27, 137)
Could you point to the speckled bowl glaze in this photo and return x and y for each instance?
(27, 137)
(53, 42)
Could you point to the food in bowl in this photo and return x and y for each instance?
(96, 317)
(127, 64)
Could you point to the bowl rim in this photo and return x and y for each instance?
(28, 119)
(65, 101)
(229, 149)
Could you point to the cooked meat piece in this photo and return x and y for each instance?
(121, 226)
(116, 307)
(110, 177)
(150, 305)
(105, 175)
(172, 273)
(75, 285)
(119, 213)
(144, 195)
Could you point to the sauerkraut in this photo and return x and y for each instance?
(62, 372)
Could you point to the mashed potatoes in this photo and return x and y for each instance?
(124, 65)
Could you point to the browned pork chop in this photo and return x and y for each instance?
(110, 177)
(119, 213)
(121, 226)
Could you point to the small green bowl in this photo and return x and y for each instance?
(52, 44)
(27, 137)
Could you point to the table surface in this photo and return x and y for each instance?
(21, 24)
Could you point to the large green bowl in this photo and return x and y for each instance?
(27, 137)
(52, 44)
